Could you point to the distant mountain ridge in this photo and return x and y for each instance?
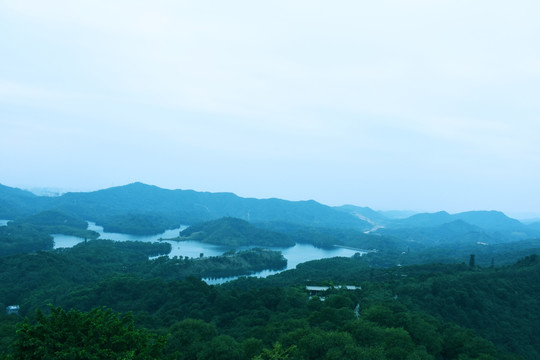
(16, 202)
(482, 227)
(443, 228)
(485, 219)
(176, 206)
(121, 208)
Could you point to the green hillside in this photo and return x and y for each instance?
(115, 208)
(431, 311)
(234, 232)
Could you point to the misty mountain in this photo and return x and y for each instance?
(451, 233)
(534, 226)
(128, 203)
(424, 220)
(145, 209)
(493, 220)
(443, 228)
(495, 224)
(15, 202)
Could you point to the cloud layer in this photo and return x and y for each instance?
(419, 104)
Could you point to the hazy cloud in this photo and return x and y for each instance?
(388, 101)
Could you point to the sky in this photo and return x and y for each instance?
(420, 105)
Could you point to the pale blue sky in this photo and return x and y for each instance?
(423, 105)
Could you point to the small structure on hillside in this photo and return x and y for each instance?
(320, 291)
(12, 309)
(350, 287)
(316, 290)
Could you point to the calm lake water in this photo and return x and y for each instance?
(295, 255)
(184, 248)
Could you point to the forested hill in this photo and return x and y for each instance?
(145, 209)
(126, 204)
(431, 312)
(499, 303)
(234, 232)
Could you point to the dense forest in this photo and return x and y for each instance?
(432, 286)
(422, 311)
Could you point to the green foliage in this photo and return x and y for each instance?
(23, 238)
(189, 337)
(432, 311)
(8, 326)
(501, 304)
(37, 279)
(221, 347)
(99, 334)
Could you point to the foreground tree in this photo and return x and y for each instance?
(98, 334)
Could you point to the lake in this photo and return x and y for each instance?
(295, 255)
(184, 248)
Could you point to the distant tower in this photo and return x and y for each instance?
(471, 261)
